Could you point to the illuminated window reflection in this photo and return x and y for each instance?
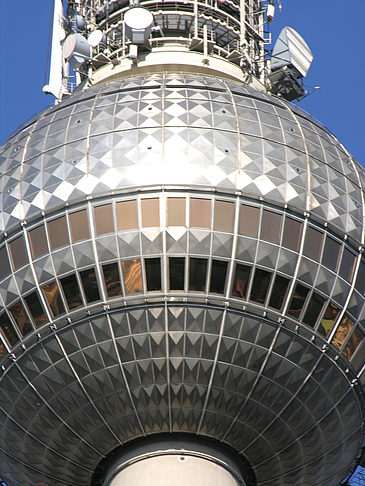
(53, 297)
(298, 301)
(112, 280)
(3, 350)
(21, 318)
(90, 284)
(328, 320)
(197, 274)
(260, 285)
(153, 273)
(7, 328)
(71, 290)
(218, 276)
(132, 274)
(241, 277)
(314, 308)
(36, 309)
(353, 343)
(342, 332)
(278, 292)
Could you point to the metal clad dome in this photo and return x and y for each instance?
(180, 253)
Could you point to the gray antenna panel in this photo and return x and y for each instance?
(291, 50)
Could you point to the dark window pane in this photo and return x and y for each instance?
(278, 292)
(347, 265)
(197, 274)
(112, 280)
(241, 277)
(18, 252)
(177, 273)
(314, 308)
(79, 225)
(3, 351)
(57, 230)
(104, 219)
(342, 332)
(132, 274)
(35, 309)
(38, 241)
(330, 254)
(150, 212)
(271, 226)
(298, 300)
(359, 359)
(8, 330)
(176, 211)
(218, 276)
(313, 244)
(200, 213)
(4, 263)
(260, 285)
(292, 234)
(249, 221)
(71, 290)
(353, 343)
(328, 319)
(223, 216)
(153, 273)
(21, 318)
(90, 284)
(360, 281)
(127, 217)
(53, 297)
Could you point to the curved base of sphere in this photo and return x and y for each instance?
(175, 460)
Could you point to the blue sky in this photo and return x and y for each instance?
(333, 29)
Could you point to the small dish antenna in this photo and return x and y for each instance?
(76, 50)
(138, 22)
(96, 37)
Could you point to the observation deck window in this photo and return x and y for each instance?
(132, 274)
(112, 280)
(71, 290)
(278, 293)
(58, 233)
(292, 234)
(347, 265)
(150, 212)
(127, 217)
(353, 343)
(260, 285)
(197, 274)
(18, 252)
(314, 308)
(35, 308)
(360, 281)
(218, 276)
(153, 273)
(328, 320)
(331, 254)
(4, 263)
(38, 241)
(176, 211)
(313, 243)
(53, 297)
(241, 278)
(223, 216)
(200, 213)
(79, 226)
(249, 221)
(298, 300)
(90, 284)
(271, 226)
(104, 219)
(177, 273)
(342, 332)
(21, 318)
(8, 329)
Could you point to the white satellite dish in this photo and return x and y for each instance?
(96, 37)
(76, 50)
(292, 51)
(138, 22)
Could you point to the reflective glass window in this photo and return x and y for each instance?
(153, 273)
(18, 252)
(241, 277)
(21, 318)
(127, 217)
(90, 284)
(353, 343)
(261, 281)
(271, 226)
(292, 234)
(223, 216)
(347, 265)
(79, 225)
(360, 281)
(104, 219)
(200, 213)
(218, 276)
(71, 290)
(150, 212)
(112, 280)
(176, 211)
(177, 273)
(331, 253)
(249, 221)
(314, 308)
(313, 243)
(8, 330)
(58, 234)
(3, 351)
(278, 292)
(298, 301)
(328, 320)
(4, 263)
(38, 241)
(197, 274)
(132, 274)
(342, 332)
(35, 308)
(359, 359)
(53, 297)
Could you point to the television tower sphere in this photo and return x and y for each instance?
(181, 261)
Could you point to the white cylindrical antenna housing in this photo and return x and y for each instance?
(270, 13)
(96, 37)
(76, 50)
(138, 22)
